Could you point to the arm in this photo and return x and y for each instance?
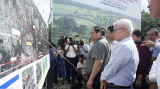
(86, 50)
(53, 53)
(79, 50)
(151, 43)
(139, 81)
(95, 70)
(74, 49)
(67, 49)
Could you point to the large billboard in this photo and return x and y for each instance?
(121, 7)
(77, 17)
(23, 46)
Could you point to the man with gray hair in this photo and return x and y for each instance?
(120, 72)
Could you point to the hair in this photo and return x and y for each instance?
(98, 28)
(126, 23)
(138, 33)
(110, 28)
(156, 31)
(66, 38)
(52, 45)
(81, 55)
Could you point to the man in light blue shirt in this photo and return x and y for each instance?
(152, 35)
(120, 72)
(83, 48)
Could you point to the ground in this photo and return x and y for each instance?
(62, 84)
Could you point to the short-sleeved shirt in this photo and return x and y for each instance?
(101, 51)
(51, 55)
(83, 51)
(154, 50)
(71, 53)
(80, 65)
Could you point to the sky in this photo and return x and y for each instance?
(44, 9)
(144, 4)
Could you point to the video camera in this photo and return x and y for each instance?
(61, 41)
(71, 41)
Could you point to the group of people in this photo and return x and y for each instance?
(127, 60)
(74, 56)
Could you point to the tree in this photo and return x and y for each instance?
(68, 27)
(148, 22)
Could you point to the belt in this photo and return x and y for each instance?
(111, 85)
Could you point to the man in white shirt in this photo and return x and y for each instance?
(154, 9)
(120, 72)
(71, 53)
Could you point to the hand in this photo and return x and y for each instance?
(147, 80)
(149, 43)
(82, 46)
(89, 84)
(103, 85)
(82, 68)
(85, 75)
(153, 86)
(138, 83)
(77, 70)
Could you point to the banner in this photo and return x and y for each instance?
(24, 59)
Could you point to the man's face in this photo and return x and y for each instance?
(151, 35)
(93, 35)
(67, 41)
(110, 35)
(154, 8)
(118, 33)
(82, 40)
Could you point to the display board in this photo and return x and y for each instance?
(23, 46)
(77, 17)
(121, 7)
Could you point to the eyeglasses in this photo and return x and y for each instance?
(92, 32)
(117, 29)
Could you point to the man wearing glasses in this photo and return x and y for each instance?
(97, 57)
(120, 71)
(154, 75)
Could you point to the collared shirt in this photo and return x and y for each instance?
(155, 50)
(100, 51)
(91, 45)
(83, 51)
(51, 55)
(114, 43)
(121, 68)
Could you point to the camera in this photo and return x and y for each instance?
(61, 41)
(71, 42)
(81, 43)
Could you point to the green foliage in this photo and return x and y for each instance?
(66, 26)
(148, 22)
(50, 30)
